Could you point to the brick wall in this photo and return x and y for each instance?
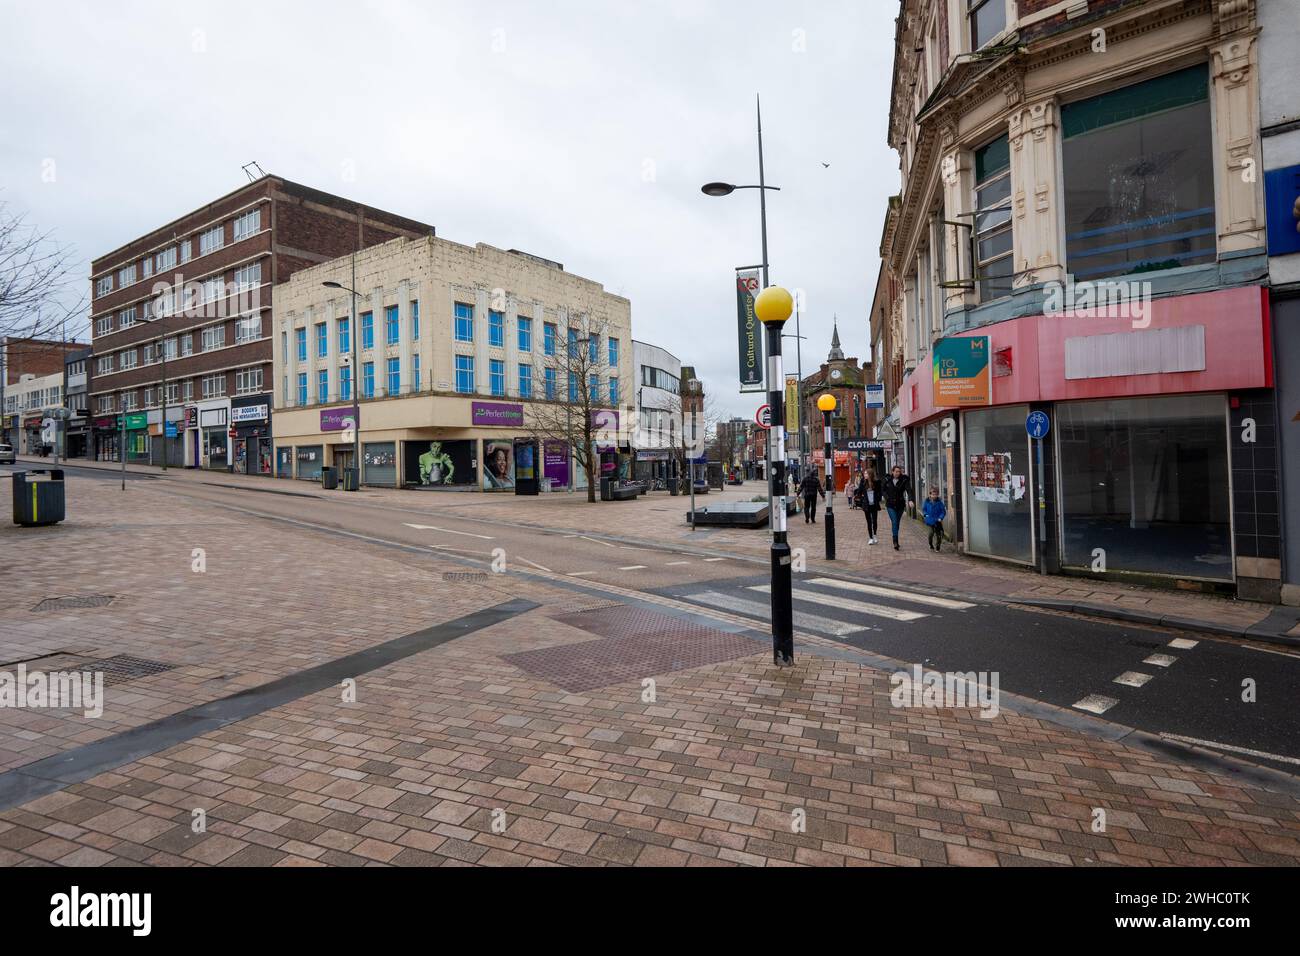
(35, 357)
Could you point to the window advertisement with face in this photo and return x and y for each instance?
(498, 465)
(429, 463)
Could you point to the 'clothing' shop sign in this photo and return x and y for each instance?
(497, 413)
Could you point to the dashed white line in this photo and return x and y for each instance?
(536, 565)
(634, 567)
(1160, 660)
(1183, 643)
(1132, 679)
(1096, 704)
(578, 574)
(715, 559)
(671, 563)
(429, 527)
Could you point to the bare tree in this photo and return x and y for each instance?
(572, 399)
(691, 431)
(37, 277)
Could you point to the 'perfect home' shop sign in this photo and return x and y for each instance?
(497, 413)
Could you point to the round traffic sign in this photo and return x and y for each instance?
(1038, 424)
(764, 416)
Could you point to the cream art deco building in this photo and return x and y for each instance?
(460, 366)
(1080, 231)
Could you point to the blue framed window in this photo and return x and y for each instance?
(300, 340)
(322, 386)
(415, 372)
(613, 352)
(496, 328)
(549, 376)
(415, 320)
(613, 390)
(368, 380)
(322, 340)
(593, 388)
(464, 322)
(497, 376)
(465, 374)
(593, 348)
(573, 387)
(390, 325)
(345, 383)
(525, 333)
(367, 330)
(345, 337)
(302, 388)
(525, 381)
(548, 338)
(394, 376)
(573, 342)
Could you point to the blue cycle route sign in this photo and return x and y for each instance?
(1038, 424)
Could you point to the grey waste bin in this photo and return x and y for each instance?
(350, 479)
(605, 490)
(38, 501)
(329, 478)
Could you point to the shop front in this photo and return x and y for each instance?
(250, 421)
(1153, 429)
(212, 439)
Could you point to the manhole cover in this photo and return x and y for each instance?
(464, 576)
(637, 644)
(72, 603)
(125, 667)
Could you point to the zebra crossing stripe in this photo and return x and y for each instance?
(929, 599)
(742, 605)
(830, 600)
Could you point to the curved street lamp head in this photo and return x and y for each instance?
(331, 284)
(826, 403)
(717, 189)
(773, 304)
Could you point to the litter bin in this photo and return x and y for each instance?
(329, 478)
(350, 479)
(605, 490)
(38, 501)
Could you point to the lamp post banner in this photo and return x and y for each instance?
(749, 335)
(792, 404)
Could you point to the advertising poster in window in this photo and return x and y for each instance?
(498, 465)
(991, 479)
(428, 463)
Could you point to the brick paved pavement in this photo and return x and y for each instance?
(455, 756)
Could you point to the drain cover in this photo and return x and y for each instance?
(71, 603)
(125, 667)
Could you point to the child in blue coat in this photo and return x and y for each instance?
(934, 511)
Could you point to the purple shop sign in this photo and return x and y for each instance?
(335, 419)
(497, 413)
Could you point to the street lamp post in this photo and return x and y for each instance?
(354, 383)
(827, 405)
(773, 306)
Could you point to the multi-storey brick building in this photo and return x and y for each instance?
(465, 367)
(25, 359)
(844, 378)
(1080, 234)
(189, 304)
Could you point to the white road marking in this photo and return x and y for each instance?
(597, 540)
(879, 610)
(1183, 643)
(429, 527)
(578, 574)
(893, 593)
(1230, 748)
(536, 565)
(715, 559)
(1160, 660)
(671, 563)
(759, 609)
(1132, 678)
(634, 567)
(1096, 704)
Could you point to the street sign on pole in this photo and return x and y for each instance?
(1038, 425)
(764, 416)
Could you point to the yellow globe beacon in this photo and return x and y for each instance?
(774, 304)
(826, 403)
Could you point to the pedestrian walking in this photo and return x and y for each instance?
(934, 511)
(867, 497)
(809, 489)
(897, 492)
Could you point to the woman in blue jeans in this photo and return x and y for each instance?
(897, 493)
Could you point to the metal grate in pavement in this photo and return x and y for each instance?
(72, 603)
(635, 644)
(124, 667)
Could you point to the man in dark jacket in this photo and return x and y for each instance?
(897, 492)
(810, 488)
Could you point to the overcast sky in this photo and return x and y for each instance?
(578, 131)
